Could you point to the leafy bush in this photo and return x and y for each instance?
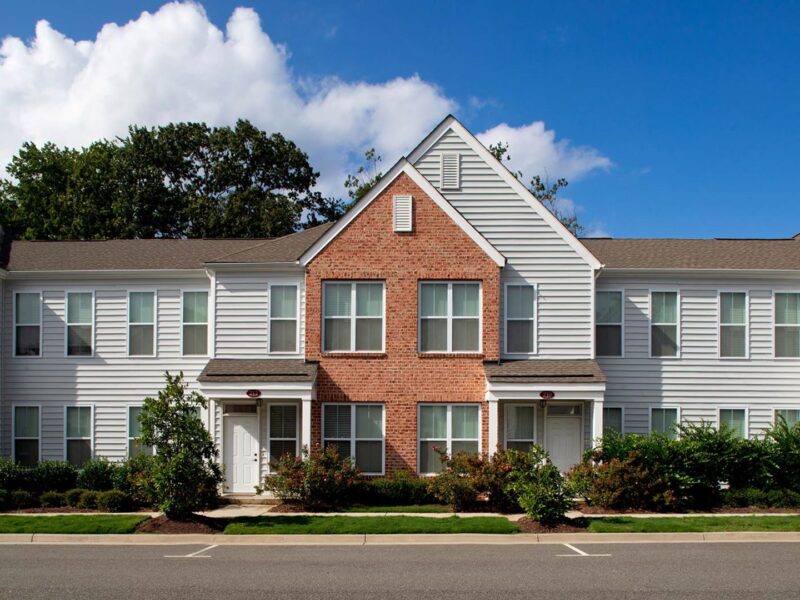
(52, 476)
(135, 478)
(88, 500)
(754, 497)
(73, 497)
(401, 488)
(12, 475)
(52, 500)
(536, 485)
(114, 501)
(785, 441)
(186, 476)
(20, 499)
(5, 501)
(461, 481)
(317, 479)
(97, 474)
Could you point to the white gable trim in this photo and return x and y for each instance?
(450, 122)
(403, 166)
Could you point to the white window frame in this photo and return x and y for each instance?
(270, 439)
(775, 325)
(720, 324)
(746, 417)
(506, 421)
(775, 410)
(67, 323)
(450, 316)
(652, 323)
(296, 319)
(91, 429)
(154, 324)
(353, 318)
(534, 319)
(353, 439)
(449, 432)
(621, 323)
(14, 321)
(14, 437)
(665, 407)
(620, 408)
(185, 291)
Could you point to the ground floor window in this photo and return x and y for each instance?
(357, 431)
(282, 431)
(26, 435)
(734, 419)
(612, 419)
(790, 415)
(664, 421)
(135, 447)
(449, 427)
(520, 426)
(78, 434)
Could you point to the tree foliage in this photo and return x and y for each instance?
(178, 180)
(186, 476)
(366, 176)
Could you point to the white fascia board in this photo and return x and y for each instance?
(704, 273)
(232, 390)
(403, 166)
(271, 267)
(450, 122)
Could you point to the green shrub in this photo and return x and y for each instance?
(5, 501)
(52, 476)
(745, 498)
(97, 474)
(73, 497)
(114, 501)
(88, 500)
(12, 475)
(400, 489)
(538, 487)
(785, 464)
(23, 499)
(752, 465)
(134, 477)
(783, 498)
(461, 481)
(53, 500)
(317, 479)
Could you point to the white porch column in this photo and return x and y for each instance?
(305, 422)
(494, 424)
(597, 419)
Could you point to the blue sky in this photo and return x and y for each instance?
(696, 105)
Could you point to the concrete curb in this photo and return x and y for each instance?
(397, 539)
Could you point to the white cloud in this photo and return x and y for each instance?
(596, 231)
(175, 65)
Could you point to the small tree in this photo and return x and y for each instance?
(186, 475)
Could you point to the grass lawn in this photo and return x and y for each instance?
(413, 508)
(360, 525)
(70, 523)
(692, 524)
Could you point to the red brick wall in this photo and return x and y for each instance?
(401, 378)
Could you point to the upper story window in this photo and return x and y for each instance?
(80, 323)
(27, 324)
(520, 311)
(787, 325)
(141, 324)
(283, 318)
(353, 316)
(195, 323)
(450, 317)
(732, 324)
(664, 330)
(608, 323)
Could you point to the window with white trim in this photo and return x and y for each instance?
(664, 421)
(787, 325)
(27, 323)
(353, 316)
(612, 419)
(520, 426)
(357, 431)
(733, 324)
(141, 324)
(195, 323)
(283, 318)
(80, 323)
(608, 323)
(790, 415)
(734, 419)
(26, 435)
(664, 324)
(135, 447)
(449, 317)
(520, 312)
(450, 428)
(282, 431)
(78, 434)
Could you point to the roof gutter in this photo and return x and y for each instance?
(109, 274)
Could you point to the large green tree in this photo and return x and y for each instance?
(178, 180)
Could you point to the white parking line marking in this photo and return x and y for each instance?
(580, 552)
(198, 554)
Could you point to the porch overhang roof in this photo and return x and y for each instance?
(545, 371)
(263, 371)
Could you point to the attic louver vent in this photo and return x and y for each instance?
(451, 171)
(402, 213)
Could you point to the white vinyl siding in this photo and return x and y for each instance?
(520, 311)
(733, 340)
(27, 324)
(357, 430)
(664, 324)
(787, 325)
(79, 428)
(609, 323)
(141, 324)
(283, 319)
(353, 316)
(80, 323)
(195, 323)
(451, 428)
(450, 317)
(27, 428)
(520, 426)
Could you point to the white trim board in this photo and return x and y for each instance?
(403, 166)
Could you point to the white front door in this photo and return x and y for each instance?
(564, 441)
(241, 451)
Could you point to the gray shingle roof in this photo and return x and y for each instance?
(221, 370)
(544, 371)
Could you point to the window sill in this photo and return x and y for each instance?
(354, 355)
(479, 355)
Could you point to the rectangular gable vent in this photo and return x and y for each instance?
(402, 213)
(451, 170)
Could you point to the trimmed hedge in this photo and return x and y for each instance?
(53, 500)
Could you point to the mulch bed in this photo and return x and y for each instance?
(289, 507)
(198, 525)
(527, 525)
